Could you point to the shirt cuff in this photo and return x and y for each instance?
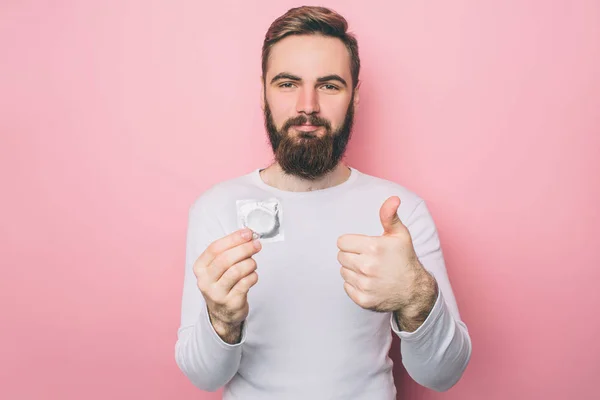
(434, 315)
(216, 336)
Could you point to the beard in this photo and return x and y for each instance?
(306, 155)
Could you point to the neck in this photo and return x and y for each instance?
(274, 176)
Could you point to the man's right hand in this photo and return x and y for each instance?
(225, 273)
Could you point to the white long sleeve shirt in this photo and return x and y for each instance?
(304, 338)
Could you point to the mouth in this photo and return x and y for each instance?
(306, 128)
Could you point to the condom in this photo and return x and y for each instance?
(263, 217)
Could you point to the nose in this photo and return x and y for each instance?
(308, 101)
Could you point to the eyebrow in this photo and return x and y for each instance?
(286, 75)
(332, 78)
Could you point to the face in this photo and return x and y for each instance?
(309, 103)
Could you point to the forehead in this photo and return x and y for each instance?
(309, 56)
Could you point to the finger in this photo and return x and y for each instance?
(225, 243)
(350, 260)
(358, 244)
(235, 273)
(244, 284)
(228, 258)
(350, 277)
(388, 214)
(352, 292)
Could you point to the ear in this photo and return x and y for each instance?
(357, 95)
(262, 94)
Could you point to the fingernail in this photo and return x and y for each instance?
(257, 244)
(247, 234)
(254, 235)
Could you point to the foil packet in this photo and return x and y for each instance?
(263, 217)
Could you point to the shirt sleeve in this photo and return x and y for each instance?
(437, 353)
(204, 358)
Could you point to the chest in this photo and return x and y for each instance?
(299, 277)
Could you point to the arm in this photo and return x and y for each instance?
(207, 360)
(435, 343)
(425, 292)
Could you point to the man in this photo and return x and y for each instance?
(345, 259)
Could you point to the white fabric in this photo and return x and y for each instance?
(304, 338)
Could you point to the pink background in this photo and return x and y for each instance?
(115, 115)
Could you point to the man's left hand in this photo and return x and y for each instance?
(383, 273)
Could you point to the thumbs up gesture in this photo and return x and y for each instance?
(383, 273)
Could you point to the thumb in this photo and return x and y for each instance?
(389, 216)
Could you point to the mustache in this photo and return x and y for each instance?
(306, 119)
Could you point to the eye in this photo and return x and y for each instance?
(286, 85)
(329, 87)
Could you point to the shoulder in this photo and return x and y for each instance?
(379, 189)
(212, 199)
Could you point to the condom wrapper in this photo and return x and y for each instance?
(263, 217)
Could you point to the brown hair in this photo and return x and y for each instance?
(309, 20)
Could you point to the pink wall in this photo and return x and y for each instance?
(115, 115)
